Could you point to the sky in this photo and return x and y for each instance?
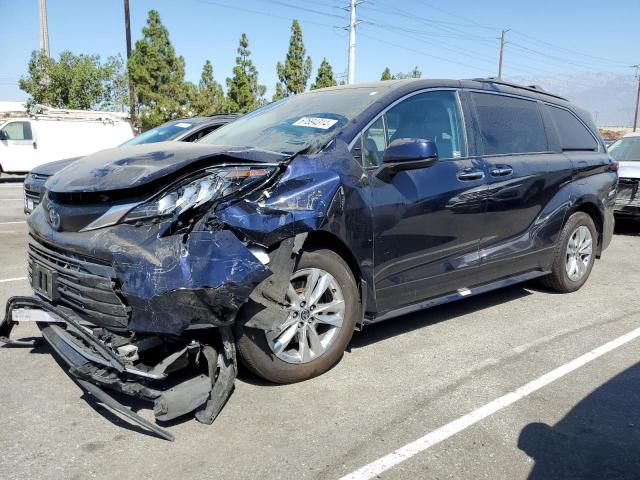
(453, 39)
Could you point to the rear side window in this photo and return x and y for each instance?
(573, 134)
(18, 131)
(509, 124)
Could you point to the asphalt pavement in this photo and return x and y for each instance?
(515, 384)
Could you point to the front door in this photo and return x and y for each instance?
(427, 222)
(17, 147)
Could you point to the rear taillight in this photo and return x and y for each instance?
(614, 166)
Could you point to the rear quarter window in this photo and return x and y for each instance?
(509, 124)
(572, 132)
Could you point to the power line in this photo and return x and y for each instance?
(531, 37)
(404, 14)
(594, 57)
(419, 52)
(563, 61)
(448, 47)
(259, 12)
(304, 9)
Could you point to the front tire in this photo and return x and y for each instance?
(324, 305)
(574, 255)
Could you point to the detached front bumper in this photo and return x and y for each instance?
(97, 368)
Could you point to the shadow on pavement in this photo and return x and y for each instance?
(424, 318)
(627, 227)
(598, 439)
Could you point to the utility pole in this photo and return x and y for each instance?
(132, 93)
(502, 42)
(351, 8)
(635, 115)
(44, 29)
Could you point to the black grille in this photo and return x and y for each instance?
(628, 190)
(35, 197)
(85, 285)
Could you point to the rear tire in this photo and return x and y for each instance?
(259, 350)
(574, 255)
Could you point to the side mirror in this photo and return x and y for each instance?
(407, 154)
(3, 135)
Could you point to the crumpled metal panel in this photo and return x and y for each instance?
(321, 192)
(170, 284)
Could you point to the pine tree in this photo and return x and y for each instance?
(296, 70)
(157, 74)
(244, 93)
(386, 75)
(208, 97)
(324, 78)
(415, 73)
(75, 81)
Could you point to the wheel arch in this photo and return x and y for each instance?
(324, 239)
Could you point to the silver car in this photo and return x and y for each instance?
(626, 152)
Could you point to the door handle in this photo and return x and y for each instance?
(502, 171)
(469, 175)
(35, 145)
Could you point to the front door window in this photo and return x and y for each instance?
(18, 131)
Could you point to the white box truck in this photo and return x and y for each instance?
(27, 141)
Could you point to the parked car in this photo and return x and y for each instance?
(279, 235)
(627, 152)
(29, 141)
(181, 130)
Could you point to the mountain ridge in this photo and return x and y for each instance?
(610, 97)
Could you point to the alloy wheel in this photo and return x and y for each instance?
(316, 308)
(579, 252)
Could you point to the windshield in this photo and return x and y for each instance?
(163, 133)
(306, 121)
(626, 150)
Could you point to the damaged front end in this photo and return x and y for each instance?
(177, 375)
(144, 303)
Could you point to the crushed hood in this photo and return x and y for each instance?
(123, 168)
(629, 169)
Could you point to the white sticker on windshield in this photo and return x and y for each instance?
(315, 122)
(183, 125)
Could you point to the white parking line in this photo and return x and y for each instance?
(17, 279)
(433, 438)
(13, 223)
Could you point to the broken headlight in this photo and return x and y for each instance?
(215, 184)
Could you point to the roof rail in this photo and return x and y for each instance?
(530, 88)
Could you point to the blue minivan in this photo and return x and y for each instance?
(277, 235)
